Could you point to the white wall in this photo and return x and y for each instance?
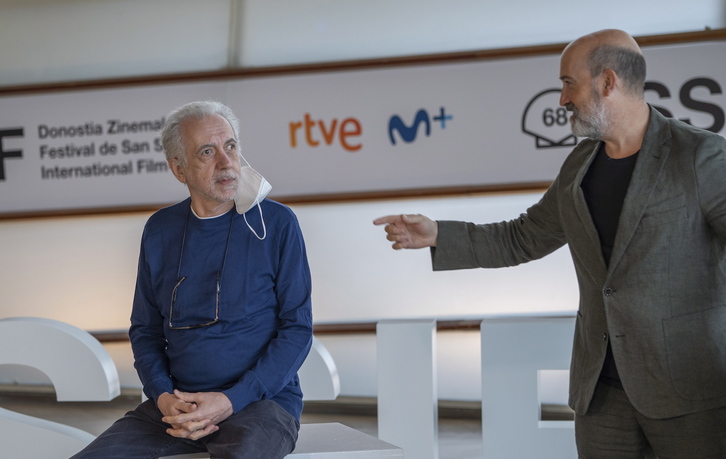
(292, 31)
(68, 40)
(82, 269)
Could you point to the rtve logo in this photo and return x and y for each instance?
(347, 132)
(16, 132)
(349, 127)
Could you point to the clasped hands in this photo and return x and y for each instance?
(194, 415)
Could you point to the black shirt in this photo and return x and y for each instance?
(605, 185)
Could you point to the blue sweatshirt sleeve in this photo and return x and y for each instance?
(147, 334)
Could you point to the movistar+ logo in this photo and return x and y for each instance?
(408, 133)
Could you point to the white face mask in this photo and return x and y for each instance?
(253, 188)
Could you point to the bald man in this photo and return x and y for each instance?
(641, 203)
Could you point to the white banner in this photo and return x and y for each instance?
(480, 123)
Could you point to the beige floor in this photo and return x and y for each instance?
(459, 437)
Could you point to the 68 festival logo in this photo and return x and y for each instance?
(701, 98)
(547, 122)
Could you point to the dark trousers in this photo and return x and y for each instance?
(262, 430)
(612, 428)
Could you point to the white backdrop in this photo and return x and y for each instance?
(82, 269)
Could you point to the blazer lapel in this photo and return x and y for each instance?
(651, 159)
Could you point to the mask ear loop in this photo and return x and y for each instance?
(262, 218)
(239, 152)
(264, 228)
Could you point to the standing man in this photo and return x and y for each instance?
(642, 205)
(221, 319)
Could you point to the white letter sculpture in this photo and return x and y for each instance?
(79, 368)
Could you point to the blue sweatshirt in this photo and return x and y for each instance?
(257, 327)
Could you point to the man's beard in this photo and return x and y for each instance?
(591, 124)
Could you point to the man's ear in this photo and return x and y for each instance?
(177, 170)
(608, 80)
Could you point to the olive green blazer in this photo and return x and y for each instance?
(661, 302)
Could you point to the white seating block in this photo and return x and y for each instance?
(330, 441)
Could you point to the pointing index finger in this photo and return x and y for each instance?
(388, 219)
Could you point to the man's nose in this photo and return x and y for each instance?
(224, 161)
(564, 98)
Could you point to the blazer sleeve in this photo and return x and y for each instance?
(533, 235)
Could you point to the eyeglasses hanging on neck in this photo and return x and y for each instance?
(203, 310)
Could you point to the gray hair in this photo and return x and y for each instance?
(171, 138)
(628, 64)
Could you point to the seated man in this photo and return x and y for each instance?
(221, 319)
